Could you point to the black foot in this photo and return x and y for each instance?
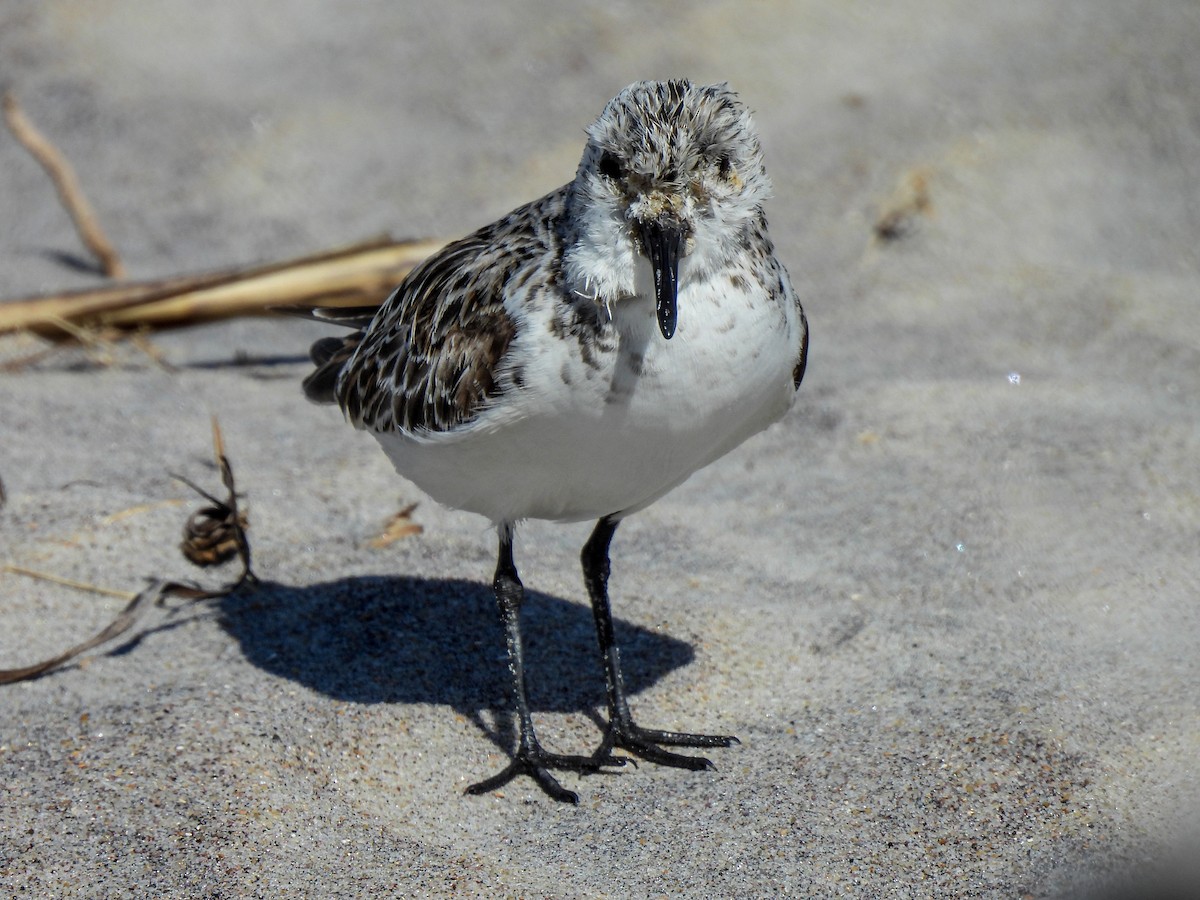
(644, 743)
(536, 763)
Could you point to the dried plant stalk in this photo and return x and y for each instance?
(160, 590)
(67, 582)
(63, 176)
(401, 525)
(359, 275)
(217, 533)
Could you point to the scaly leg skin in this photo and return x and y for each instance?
(622, 732)
(530, 758)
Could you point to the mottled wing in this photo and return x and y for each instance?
(431, 359)
(778, 285)
(802, 355)
(783, 293)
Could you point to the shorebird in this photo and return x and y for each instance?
(584, 355)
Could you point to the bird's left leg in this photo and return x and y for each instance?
(622, 732)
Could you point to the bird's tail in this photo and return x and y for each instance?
(330, 354)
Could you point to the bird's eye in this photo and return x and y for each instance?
(724, 165)
(609, 167)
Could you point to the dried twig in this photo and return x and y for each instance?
(97, 343)
(217, 533)
(359, 275)
(399, 526)
(68, 582)
(141, 341)
(101, 344)
(66, 183)
(29, 359)
(159, 590)
(156, 594)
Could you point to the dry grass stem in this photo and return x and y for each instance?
(216, 534)
(399, 526)
(362, 274)
(68, 582)
(63, 176)
(160, 590)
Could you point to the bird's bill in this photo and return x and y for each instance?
(662, 243)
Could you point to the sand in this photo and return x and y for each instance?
(949, 604)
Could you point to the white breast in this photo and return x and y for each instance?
(606, 433)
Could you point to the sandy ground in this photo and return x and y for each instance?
(949, 604)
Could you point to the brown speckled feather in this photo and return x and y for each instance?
(433, 356)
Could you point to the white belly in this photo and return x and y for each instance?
(607, 433)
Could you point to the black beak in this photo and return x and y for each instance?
(661, 244)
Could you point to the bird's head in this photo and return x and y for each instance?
(671, 171)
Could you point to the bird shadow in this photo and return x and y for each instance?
(404, 639)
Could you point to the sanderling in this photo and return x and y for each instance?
(582, 356)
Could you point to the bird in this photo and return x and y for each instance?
(582, 356)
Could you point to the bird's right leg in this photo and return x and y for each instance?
(530, 759)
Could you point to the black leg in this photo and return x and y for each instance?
(622, 732)
(530, 758)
